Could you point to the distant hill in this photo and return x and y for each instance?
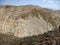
(27, 20)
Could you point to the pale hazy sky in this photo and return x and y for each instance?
(54, 4)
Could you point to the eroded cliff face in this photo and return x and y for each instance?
(28, 20)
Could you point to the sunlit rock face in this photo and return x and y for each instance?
(28, 20)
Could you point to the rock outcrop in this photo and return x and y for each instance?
(28, 20)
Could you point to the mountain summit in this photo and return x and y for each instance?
(27, 20)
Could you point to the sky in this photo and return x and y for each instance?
(52, 4)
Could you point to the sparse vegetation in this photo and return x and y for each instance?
(28, 21)
(44, 39)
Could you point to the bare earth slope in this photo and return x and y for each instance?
(28, 20)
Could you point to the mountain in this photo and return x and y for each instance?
(58, 11)
(27, 20)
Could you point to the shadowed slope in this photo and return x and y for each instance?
(49, 38)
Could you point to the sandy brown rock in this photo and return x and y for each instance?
(28, 20)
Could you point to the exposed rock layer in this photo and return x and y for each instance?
(27, 20)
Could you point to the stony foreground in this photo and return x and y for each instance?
(49, 38)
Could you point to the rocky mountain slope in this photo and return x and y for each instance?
(49, 38)
(28, 20)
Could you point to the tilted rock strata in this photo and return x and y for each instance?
(27, 20)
